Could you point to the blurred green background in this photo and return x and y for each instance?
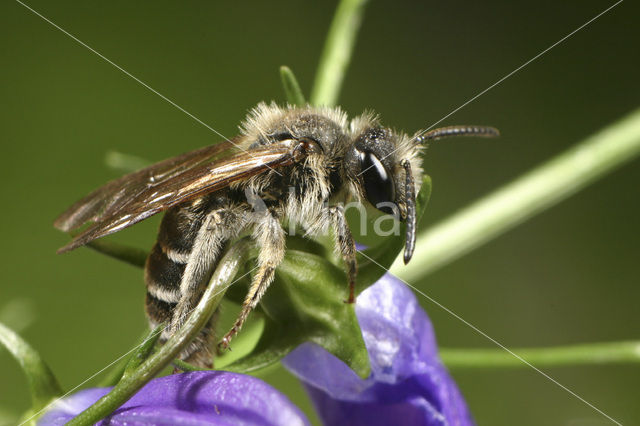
(570, 275)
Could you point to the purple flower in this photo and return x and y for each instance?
(196, 398)
(408, 383)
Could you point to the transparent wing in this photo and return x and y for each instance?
(136, 196)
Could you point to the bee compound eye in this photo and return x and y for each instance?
(378, 183)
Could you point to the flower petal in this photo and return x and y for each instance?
(195, 398)
(408, 380)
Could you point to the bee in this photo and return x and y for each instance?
(209, 198)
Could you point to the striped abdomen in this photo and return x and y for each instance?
(168, 260)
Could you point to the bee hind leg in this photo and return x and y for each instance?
(200, 353)
(218, 227)
(270, 237)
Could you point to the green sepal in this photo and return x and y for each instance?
(375, 261)
(143, 351)
(291, 87)
(113, 376)
(306, 304)
(43, 386)
(185, 366)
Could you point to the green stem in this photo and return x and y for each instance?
(129, 385)
(337, 52)
(125, 163)
(131, 255)
(557, 356)
(43, 385)
(528, 195)
(143, 350)
(291, 87)
(116, 372)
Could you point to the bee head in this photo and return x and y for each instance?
(374, 164)
(384, 167)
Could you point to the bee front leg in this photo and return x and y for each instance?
(346, 245)
(270, 237)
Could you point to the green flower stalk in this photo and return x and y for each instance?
(134, 380)
(43, 385)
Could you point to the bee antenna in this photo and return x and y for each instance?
(450, 131)
(410, 202)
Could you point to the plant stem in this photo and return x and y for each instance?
(557, 356)
(43, 385)
(125, 163)
(131, 255)
(291, 87)
(142, 352)
(129, 385)
(337, 52)
(528, 195)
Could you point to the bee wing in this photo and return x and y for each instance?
(111, 197)
(136, 196)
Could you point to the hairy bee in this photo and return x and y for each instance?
(208, 193)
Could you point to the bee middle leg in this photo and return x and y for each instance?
(270, 237)
(346, 245)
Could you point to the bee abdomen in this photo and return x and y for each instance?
(179, 229)
(163, 274)
(158, 310)
(168, 259)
